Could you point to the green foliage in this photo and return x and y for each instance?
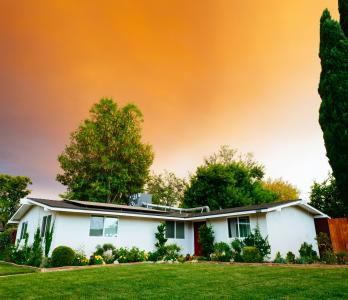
(283, 189)
(21, 254)
(125, 255)
(160, 235)
(222, 252)
(279, 259)
(251, 254)
(172, 252)
(340, 257)
(106, 252)
(255, 239)
(237, 247)
(325, 248)
(206, 239)
(333, 89)
(307, 254)
(96, 260)
(5, 244)
(12, 189)
(48, 238)
(166, 189)
(106, 160)
(224, 182)
(290, 257)
(62, 256)
(80, 259)
(325, 196)
(36, 250)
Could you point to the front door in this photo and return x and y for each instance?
(198, 246)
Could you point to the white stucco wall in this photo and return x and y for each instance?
(34, 218)
(73, 230)
(288, 229)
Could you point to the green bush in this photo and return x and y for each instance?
(36, 252)
(279, 259)
(307, 253)
(325, 248)
(206, 239)
(96, 260)
(5, 244)
(80, 259)
(161, 240)
(21, 254)
(222, 252)
(125, 255)
(255, 239)
(290, 257)
(62, 256)
(106, 252)
(172, 252)
(251, 254)
(340, 256)
(237, 246)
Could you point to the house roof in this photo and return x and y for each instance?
(74, 206)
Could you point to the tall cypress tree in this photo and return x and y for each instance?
(333, 89)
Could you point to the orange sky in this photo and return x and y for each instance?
(204, 73)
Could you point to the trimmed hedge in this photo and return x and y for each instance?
(63, 256)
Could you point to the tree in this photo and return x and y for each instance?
(227, 183)
(12, 189)
(333, 89)
(283, 189)
(326, 197)
(166, 189)
(106, 160)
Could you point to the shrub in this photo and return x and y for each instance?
(255, 239)
(251, 254)
(279, 259)
(36, 252)
(237, 246)
(62, 256)
(328, 257)
(172, 252)
(48, 239)
(222, 252)
(290, 257)
(5, 244)
(340, 256)
(96, 260)
(106, 251)
(161, 240)
(20, 255)
(325, 248)
(80, 259)
(206, 239)
(307, 253)
(124, 255)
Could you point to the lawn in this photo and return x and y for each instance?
(153, 281)
(9, 269)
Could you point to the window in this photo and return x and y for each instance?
(238, 227)
(175, 230)
(46, 225)
(103, 226)
(23, 230)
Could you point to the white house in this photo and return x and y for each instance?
(84, 225)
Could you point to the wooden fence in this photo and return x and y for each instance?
(337, 230)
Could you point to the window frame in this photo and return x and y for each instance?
(238, 227)
(175, 236)
(24, 230)
(103, 230)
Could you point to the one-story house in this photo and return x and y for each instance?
(83, 225)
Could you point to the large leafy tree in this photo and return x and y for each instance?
(12, 189)
(166, 188)
(326, 197)
(227, 181)
(333, 89)
(106, 161)
(283, 189)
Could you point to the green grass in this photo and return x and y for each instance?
(9, 269)
(195, 281)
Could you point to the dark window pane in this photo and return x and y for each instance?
(96, 226)
(180, 230)
(43, 226)
(233, 228)
(169, 229)
(48, 224)
(244, 226)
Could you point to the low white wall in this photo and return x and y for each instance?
(73, 230)
(288, 229)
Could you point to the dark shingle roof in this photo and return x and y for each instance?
(108, 207)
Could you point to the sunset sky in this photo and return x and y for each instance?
(204, 73)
